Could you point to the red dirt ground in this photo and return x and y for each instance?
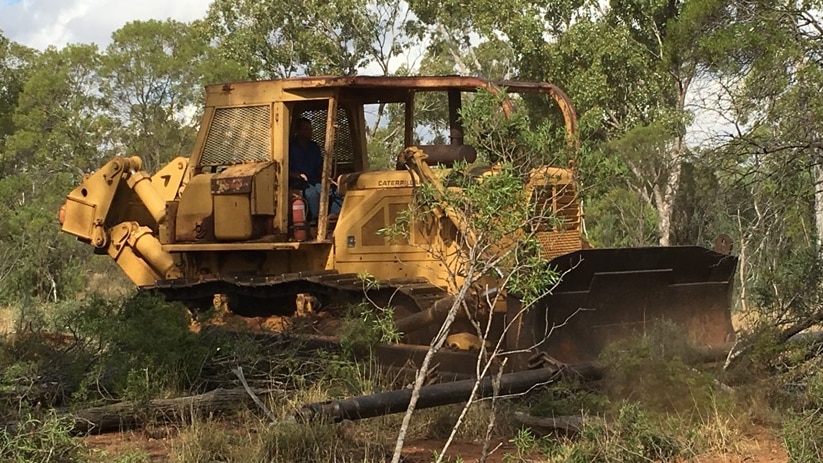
(760, 447)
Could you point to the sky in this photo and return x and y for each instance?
(40, 23)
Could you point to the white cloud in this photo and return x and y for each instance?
(41, 23)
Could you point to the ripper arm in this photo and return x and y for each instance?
(119, 209)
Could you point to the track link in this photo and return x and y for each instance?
(329, 286)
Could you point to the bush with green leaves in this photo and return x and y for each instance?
(37, 262)
(660, 371)
(802, 430)
(364, 326)
(45, 439)
(100, 349)
(802, 435)
(151, 347)
(633, 436)
(568, 397)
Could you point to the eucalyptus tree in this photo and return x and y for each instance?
(772, 68)
(15, 62)
(154, 73)
(60, 119)
(283, 39)
(60, 125)
(628, 65)
(778, 62)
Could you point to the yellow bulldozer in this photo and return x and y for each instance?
(228, 220)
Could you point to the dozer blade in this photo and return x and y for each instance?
(609, 294)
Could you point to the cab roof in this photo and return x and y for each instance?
(393, 88)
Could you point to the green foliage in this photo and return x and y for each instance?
(169, 358)
(524, 441)
(496, 210)
(516, 139)
(619, 219)
(528, 446)
(38, 261)
(632, 437)
(15, 62)
(153, 75)
(803, 437)
(385, 137)
(133, 349)
(60, 117)
(58, 127)
(657, 372)
(568, 398)
(777, 289)
(312, 38)
(42, 440)
(364, 326)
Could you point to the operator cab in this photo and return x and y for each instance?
(242, 148)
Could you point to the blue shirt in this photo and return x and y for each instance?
(308, 161)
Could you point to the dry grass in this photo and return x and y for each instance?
(7, 316)
(720, 430)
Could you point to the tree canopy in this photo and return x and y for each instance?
(643, 75)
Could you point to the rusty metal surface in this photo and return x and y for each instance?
(605, 295)
(231, 185)
(446, 155)
(609, 294)
(434, 315)
(237, 179)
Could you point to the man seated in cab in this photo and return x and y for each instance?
(306, 167)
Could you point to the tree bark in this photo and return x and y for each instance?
(129, 415)
(818, 201)
(665, 201)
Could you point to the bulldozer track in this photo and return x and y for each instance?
(329, 286)
(406, 296)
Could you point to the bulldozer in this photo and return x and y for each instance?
(227, 221)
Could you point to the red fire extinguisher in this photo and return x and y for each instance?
(298, 218)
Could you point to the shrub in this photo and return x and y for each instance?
(79, 350)
(151, 348)
(45, 439)
(568, 397)
(364, 326)
(803, 437)
(659, 372)
(802, 432)
(633, 437)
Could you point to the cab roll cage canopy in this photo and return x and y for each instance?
(400, 89)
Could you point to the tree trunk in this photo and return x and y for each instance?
(818, 204)
(128, 415)
(571, 424)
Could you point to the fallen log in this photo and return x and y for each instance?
(435, 395)
(541, 425)
(128, 415)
